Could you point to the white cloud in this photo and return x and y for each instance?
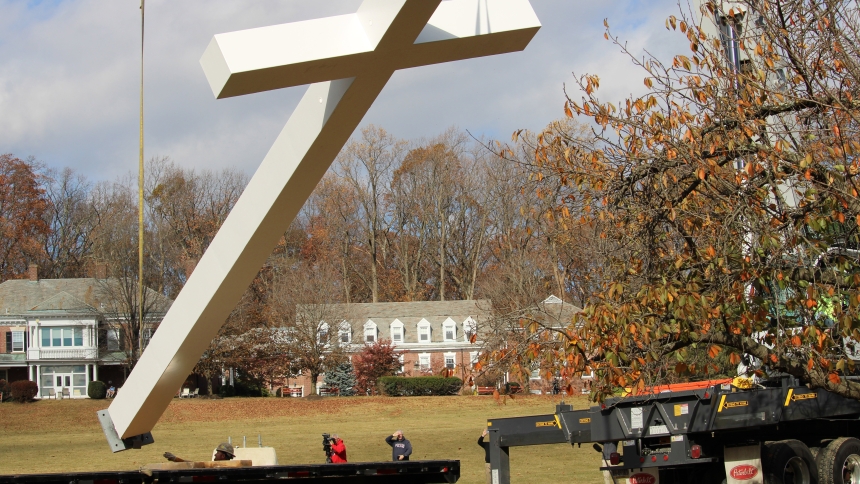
(69, 73)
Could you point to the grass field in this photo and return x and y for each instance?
(57, 436)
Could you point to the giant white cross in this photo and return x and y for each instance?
(347, 60)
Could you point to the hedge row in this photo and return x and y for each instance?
(398, 386)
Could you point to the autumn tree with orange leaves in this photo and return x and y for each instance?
(725, 199)
(23, 206)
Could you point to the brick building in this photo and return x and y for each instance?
(430, 335)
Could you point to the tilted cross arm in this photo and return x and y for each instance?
(347, 59)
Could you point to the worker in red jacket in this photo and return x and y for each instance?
(338, 449)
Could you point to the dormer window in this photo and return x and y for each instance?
(322, 333)
(449, 330)
(345, 333)
(370, 332)
(470, 328)
(424, 331)
(397, 332)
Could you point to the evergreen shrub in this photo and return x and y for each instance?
(342, 377)
(398, 386)
(97, 390)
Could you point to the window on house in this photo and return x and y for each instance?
(17, 341)
(470, 327)
(402, 359)
(58, 337)
(450, 330)
(322, 333)
(450, 360)
(424, 332)
(345, 333)
(113, 339)
(424, 361)
(370, 332)
(397, 332)
(147, 336)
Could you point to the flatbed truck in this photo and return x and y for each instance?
(776, 432)
(419, 472)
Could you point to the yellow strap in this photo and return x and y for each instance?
(788, 397)
(722, 404)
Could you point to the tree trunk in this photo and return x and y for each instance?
(314, 377)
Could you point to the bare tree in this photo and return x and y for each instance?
(72, 219)
(367, 164)
(303, 307)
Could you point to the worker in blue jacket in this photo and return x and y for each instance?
(401, 448)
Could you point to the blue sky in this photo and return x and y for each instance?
(69, 73)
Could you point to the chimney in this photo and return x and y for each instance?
(100, 270)
(33, 272)
(190, 264)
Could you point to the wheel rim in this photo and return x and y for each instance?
(797, 472)
(851, 469)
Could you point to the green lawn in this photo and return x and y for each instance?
(57, 436)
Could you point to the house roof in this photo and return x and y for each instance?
(62, 301)
(21, 297)
(420, 309)
(555, 312)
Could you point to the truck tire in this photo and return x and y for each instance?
(839, 462)
(789, 462)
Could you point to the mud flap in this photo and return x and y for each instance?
(743, 465)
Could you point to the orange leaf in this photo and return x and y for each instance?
(473, 338)
(810, 364)
(773, 358)
(714, 350)
(734, 358)
(834, 378)
(795, 340)
(567, 111)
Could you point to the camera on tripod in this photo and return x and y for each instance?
(327, 442)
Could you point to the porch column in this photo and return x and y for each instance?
(88, 382)
(38, 379)
(95, 372)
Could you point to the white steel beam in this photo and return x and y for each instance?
(348, 59)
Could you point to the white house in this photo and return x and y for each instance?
(63, 333)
